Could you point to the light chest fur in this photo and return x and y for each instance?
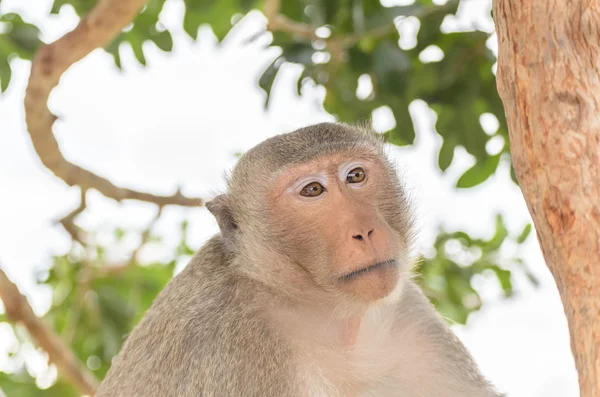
(400, 350)
(383, 350)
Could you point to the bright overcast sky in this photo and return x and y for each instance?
(179, 121)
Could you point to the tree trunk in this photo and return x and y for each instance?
(549, 81)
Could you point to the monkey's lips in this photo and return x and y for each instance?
(379, 266)
(372, 282)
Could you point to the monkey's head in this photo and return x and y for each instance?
(318, 208)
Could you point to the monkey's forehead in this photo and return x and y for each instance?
(309, 143)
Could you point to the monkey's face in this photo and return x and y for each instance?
(336, 217)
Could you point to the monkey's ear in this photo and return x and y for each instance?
(220, 207)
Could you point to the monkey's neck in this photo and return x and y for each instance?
(318, 325)
(350, 329)
(306, 311)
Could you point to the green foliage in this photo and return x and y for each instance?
(362, 41)
(446, 275)
(460, 87)
(103, 310)
(146, 28)
(22, 384)
(17, 38)
(92, 311)
(217, 13)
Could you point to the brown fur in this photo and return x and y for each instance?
(262, 309)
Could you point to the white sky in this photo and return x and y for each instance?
(178, 123)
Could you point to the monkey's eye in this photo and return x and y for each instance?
(357, 175)
(312, 190)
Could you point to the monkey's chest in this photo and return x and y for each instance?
(353, 371)
(384, 362)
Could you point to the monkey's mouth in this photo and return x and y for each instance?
(359, 272)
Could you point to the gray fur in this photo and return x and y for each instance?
(196, 339)
(207, 334)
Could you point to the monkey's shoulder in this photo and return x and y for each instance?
(198, 298)
(197, 335)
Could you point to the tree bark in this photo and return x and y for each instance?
(549, 81)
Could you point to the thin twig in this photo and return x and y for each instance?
(339, 44)
(271, 8)
(83, 286)
(112, 270)
(282, 23)
(95, 30)
(68, 221)
(18, 310)
(279, 22)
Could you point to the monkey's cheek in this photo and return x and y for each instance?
(372, 285)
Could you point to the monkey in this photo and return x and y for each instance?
(307, 289)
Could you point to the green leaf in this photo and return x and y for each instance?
(215, 13)
(5, 75)
(265, 81)
(299, 53)
(404, 132)
(191, 24)
(337, 13)
(138, 51)
(524, 234)
(446, 154)
(424, 82)
(360, 61)
(504, 277)
(299, 83)
(499, 237)
(462, 123)
(19, 38)
(81, 7)
(386, 15)
(479, 172)
(429, 32)
(163, 40)
(295, 10)
(513, 176)
(114, 49)
(21, 384)
(532, 278)
(119, 233)
(389, 60)
(247, 5)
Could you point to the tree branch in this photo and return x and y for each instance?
(97, 29)
(18, 310)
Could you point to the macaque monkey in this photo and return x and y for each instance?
(305, 292)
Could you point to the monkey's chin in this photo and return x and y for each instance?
(372, 283)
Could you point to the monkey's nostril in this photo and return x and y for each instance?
(360, 237)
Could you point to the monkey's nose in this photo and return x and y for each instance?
(363, 236)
